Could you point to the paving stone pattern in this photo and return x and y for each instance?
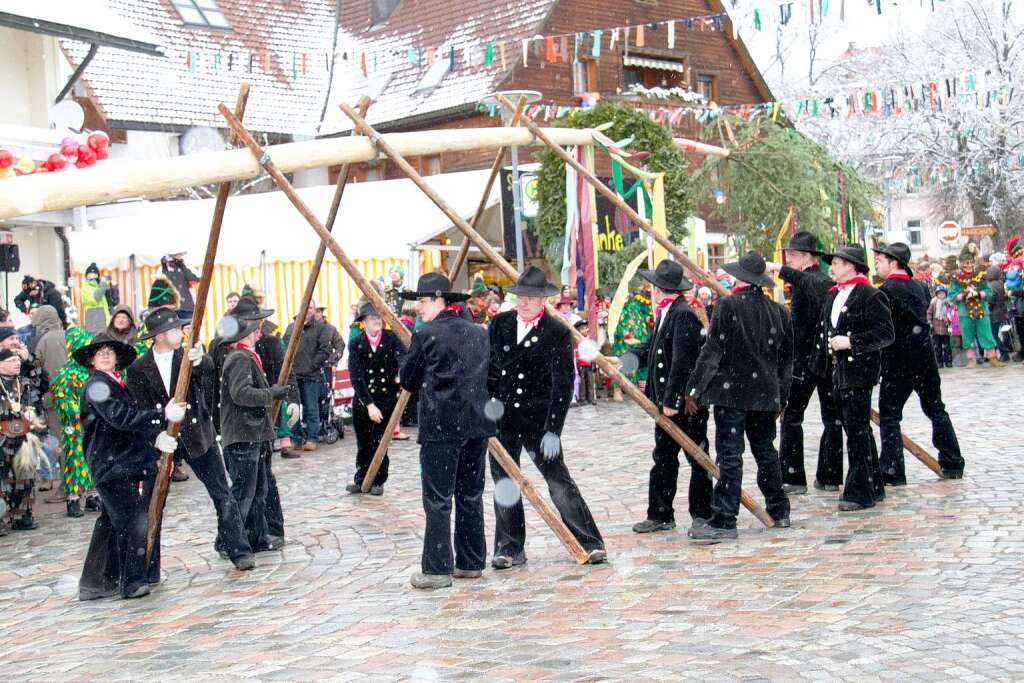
(927, 586)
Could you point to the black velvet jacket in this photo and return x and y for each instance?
(373, 373)
(911, 351)
(809, 290)
(533, 379)
(447, 366)
(670, 354)
(117, 435)
(866, 320)
(245, 401)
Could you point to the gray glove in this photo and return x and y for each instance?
(280, 391)
(550, 446)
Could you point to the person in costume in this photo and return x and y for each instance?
(669, 355)
(531, 375)
(744, 370)
(152, 380)
(633, 329)
(447, 365)
(857, 325)
(940, 313)
(124, 327)
(477, 302)
(972, 293)
(374, 358)
(809, 287)
(95, 314)
(122, 443)
(1014, 284)
(66, 387)
(908, 366)
(20, 449)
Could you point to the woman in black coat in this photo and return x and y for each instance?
(117, 439)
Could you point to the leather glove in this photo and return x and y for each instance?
(550, 446)
(280, 391)
(174, 411)
(165, 443)
(195, 355)
(294, 412)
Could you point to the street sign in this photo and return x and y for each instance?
(949, 232)
(979, 230)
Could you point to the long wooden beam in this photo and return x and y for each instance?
(119, 179)
(611, 370)
(507, 463)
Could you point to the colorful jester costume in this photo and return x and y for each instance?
(635, 326)
(66, 385)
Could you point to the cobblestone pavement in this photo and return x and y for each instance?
(927, 586)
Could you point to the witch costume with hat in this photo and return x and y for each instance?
(531, 375)
(856, 325)
(908, 366)
(744, 370)
(447, 366)
(670, 355)
(808, 288)
(118, 437)
(374, 357)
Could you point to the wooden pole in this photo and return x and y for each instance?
(915, 450)
(663, 421)
(460, 258)
(163, 476)
(121, 179)
(615, 199)
(509, 465)
(314, 275)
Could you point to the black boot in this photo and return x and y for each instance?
(74, 508)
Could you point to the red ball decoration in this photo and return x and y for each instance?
(101, 154)
(86, 157)
(98, 141)
(55, 162)
(6, 159)
(69, 149)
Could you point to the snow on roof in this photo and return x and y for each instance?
(438, 25)
(379, 219)
(131, 88)
(88, 20)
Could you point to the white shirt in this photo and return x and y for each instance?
(523, 329)
(164, 361)
(840, 303)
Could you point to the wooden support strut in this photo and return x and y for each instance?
(507, 463)
(314, 275)
(460, 258)
(918, 452)
(676, 252)
(163, 476)
(663, 421)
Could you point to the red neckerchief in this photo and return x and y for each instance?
(374, 339)
(453, 308)
(249, 349)
(740, 284)
(663, 304)
(696, 304)
(858, 280)
(898, 275)
(532, 322)
(117, 377)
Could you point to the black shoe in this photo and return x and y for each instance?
(782, 523)
(706, 532)
(850, 506)
(794, 489)
(92, 504)
(952, 474)
(26, 523)
(270, 544)
(75, 508)
(649, 525)
(825, 487)
(376, 490)
(597, 556)
(354, 488)
(505, 562)
(178, 475)
(137, 592)
(291, 453)
(244, 563)
(85, 594)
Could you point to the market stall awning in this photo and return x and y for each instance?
(89, 21)
(649, 63)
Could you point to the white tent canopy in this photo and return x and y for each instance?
(380, 219)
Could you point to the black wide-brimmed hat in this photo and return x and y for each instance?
(750, 269)
(125, 354)
(668, 276)
(851, 253)
(365, 311)
(162, 320)
(533, 282)
(897, 251)
(804, 241)
(434, 285)
(248, 309)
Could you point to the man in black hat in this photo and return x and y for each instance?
(373, 362)
(247, 433)
(447, 366)
(744, 370)
(670, 355)
(856, 326)
(908, 366)
(152, 380)
(531, 374)
(809, 287)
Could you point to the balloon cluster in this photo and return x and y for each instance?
(73, 154)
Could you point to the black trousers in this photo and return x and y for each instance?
(588, 383)
(942, 350)
(231, 537)
(453, 470)
(759, 426)
(791, 442)
(510, 521)
(248, 463)
(368, 436)
(864, 483)
(661, 487)
(116, 559)
(893, 395)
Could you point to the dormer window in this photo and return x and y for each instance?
(381, 11)
(203, 13)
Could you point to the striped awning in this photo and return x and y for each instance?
(648, 63)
